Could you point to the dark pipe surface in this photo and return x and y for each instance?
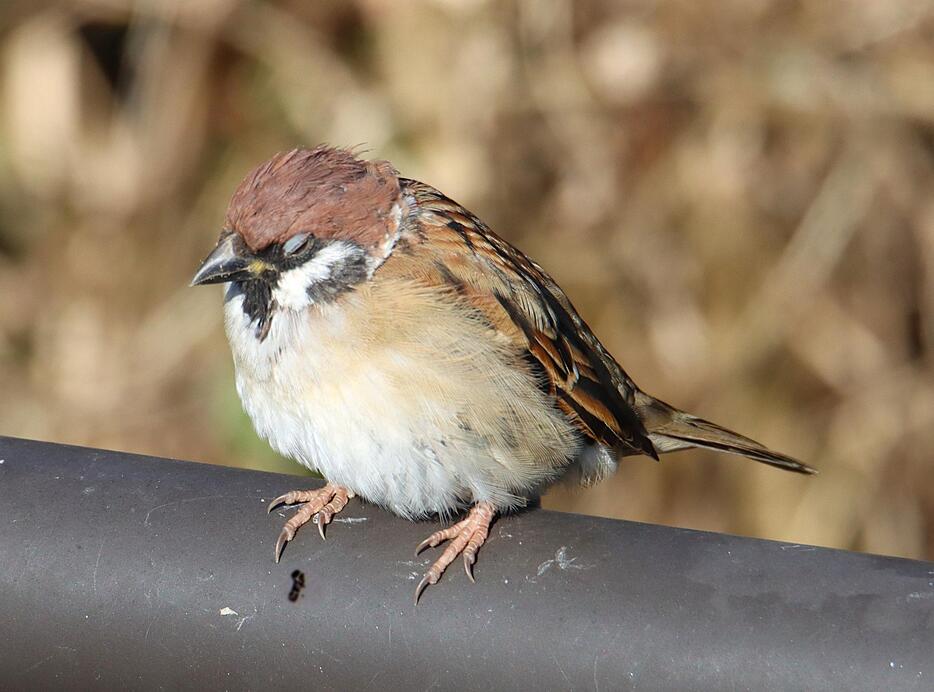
(125, 571)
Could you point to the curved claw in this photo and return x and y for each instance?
(275, 503)
(426, 580)
(424, 544)
(320, 523)
(284, 538)
(469, 559)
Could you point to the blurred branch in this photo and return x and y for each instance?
(787, 290)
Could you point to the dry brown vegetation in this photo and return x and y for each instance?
(737, 195)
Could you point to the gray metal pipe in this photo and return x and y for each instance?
(125, 571)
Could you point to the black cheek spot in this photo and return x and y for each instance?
(344, 277)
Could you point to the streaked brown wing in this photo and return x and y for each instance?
(528, 307)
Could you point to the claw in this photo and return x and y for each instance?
(275, 503)
(424, 544)
(319, 521)
(468, 566)
(284, 538)
(426, 580)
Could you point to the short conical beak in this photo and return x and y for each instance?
(224, 263)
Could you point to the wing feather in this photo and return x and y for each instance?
(526, 306)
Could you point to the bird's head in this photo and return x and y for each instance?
(304, 227)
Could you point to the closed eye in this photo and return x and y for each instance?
(295, 243)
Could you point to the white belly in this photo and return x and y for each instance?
(386, 420)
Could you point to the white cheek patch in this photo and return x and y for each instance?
(291, 291)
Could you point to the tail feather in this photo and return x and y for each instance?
(671, 430)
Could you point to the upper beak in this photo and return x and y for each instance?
(224, 263)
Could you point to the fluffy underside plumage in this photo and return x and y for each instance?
(416, 412)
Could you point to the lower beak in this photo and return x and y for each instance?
(223, 264)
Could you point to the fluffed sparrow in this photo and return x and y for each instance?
(385, 337)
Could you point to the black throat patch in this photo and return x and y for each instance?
(258, 303)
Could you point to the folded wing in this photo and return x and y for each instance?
(526, 306)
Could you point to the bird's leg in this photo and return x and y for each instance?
(466, 537)
(324, 503)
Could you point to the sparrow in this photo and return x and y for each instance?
(383, 336)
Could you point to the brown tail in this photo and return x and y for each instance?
(671, 430)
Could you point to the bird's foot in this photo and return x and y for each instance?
(466, 537)
(322, 503)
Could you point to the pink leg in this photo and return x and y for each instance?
(324, 503)
(466, 537)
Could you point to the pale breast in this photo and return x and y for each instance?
(404, 400)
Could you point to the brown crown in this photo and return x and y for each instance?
(325, 191)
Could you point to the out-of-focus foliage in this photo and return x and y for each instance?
(737, 195)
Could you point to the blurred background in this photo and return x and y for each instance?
(737, 195)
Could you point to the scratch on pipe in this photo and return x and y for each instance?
(97, 565)
(411, 563)
(562, 560)
(186, 500)
(152, 619)
(227, 610)
(563, 674)
(38, 663)
(245, 618)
